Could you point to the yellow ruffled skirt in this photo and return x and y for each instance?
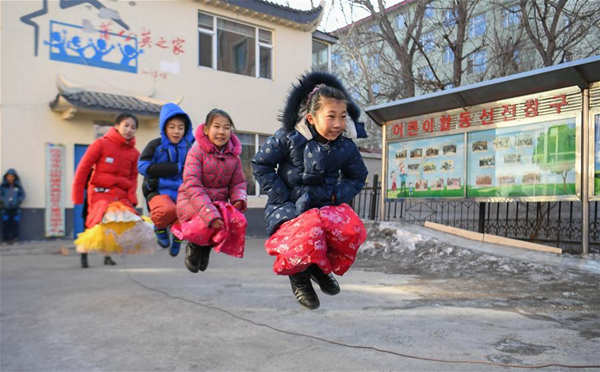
(120, 231)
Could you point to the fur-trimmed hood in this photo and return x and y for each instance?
(234, 145)
(295, 111)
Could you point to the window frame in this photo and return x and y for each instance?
(473, 67)
(257, 46)
(257, 145)
(511, 16)
(474, 26)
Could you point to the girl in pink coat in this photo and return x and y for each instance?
(212, 179)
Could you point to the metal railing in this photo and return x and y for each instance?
(552, 223)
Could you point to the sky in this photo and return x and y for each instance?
(338, 13)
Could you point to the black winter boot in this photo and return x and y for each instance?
(327, 282)
(84, 260)
(304, 291)
(204, 257)
(109, 261)
(192, 257)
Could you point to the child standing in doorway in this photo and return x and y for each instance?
(310, 169)
(162, 163)
(213, 194)
(112, 223)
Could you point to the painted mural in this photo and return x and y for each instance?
(71, 43)
(108, 44)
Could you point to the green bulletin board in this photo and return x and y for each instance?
(523, 161)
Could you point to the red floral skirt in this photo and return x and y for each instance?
(328, 237)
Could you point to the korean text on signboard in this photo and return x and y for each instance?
(55, 190)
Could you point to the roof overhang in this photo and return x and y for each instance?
(304, 20)
(323, 36)
(72, 99)
(581, 73)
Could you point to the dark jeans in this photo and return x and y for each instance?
(11, 221)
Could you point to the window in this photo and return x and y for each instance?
(512, 16)
(375, 29)
(477, 26)
(448, 55)
(353, 67)
(567, 23)
(477, 63)
(355, 93)
(375, 58)
(427, 41)
(516, 56)
(375, 89)
(429, 12)
(426, 73)
(400, 21)
(449, 18)
(336, 59)
(250, 145)
(234, 47)
(320, 56)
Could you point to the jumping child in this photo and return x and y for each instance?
(162, 164)
(212, 179)
(113, 224)
(310, 169)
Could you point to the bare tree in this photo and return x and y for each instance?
(398, 48)
(557, 28)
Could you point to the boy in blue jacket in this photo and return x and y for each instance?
(162, 163)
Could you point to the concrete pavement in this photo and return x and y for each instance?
(150, 313)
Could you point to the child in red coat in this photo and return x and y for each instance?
(212, 176)
(113, 224)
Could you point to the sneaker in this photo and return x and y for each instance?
(109, 261)
(327, 282)
(175, 247)
(304, 291)
(192, 256)
(162, 236)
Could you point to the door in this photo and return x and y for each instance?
(78, 208)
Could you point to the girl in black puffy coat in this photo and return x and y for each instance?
(310, 169)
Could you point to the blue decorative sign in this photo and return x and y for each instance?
(70, 43)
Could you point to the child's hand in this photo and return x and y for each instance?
(217, 224)
(238, 205)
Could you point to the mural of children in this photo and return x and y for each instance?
(57, 41)
(403, 176)
(75, 45)
(100, 49)
(410, 189)
(393, 176)
(129, 53)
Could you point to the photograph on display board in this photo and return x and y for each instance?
(597, 156)
(449, 150)
(487, 162)
(480, 146)
(453, 183)
(502, 143)
(418, 175)
(432, 152)
(416, 153)
(447, 166)
(542, 162)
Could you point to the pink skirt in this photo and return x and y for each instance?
(230, 239)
